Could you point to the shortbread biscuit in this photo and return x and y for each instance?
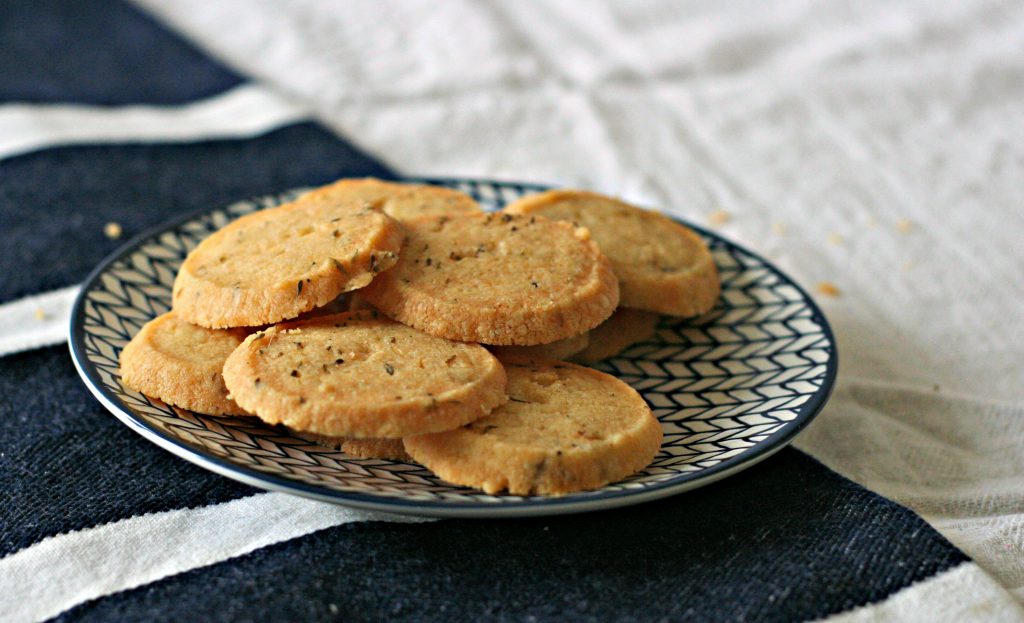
(370, 448)
(662, 266)
(497, 279)
(625, 328)
(560, 349)
(180, 364)
(565, 428)
(361, 375)
(278, 263)
(400, 201)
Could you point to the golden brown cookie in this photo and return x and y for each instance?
(497, 279)
(277, 263)
(180, 364)
(625, 328)
(662, 266)
(361, 375)
(565, 428)
(400, 201)
(370, 448)
(560, 349)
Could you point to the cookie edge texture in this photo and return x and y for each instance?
(661, 294)
(158, 375)
(448, 410)
(460, 457)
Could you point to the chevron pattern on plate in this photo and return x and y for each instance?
(728, 386)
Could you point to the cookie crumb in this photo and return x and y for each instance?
(40, 314)
(112, 230)
(779, 229)
(904, 226)
(827, 288)
(835, 239)
(719, 217)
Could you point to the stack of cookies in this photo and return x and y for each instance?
(402, 322)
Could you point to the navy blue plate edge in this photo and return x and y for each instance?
(529, 507)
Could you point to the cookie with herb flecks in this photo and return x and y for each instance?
(399, 201)
(623, 329)
(275, 264)
(497, 279)
(565, 428)
(370, 448)
(180, 364)
(662, 266)
(361, 375)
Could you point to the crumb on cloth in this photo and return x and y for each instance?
(719, 217)
(827, 288)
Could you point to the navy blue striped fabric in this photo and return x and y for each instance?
(99, 52)
(68, 464)
(786, 541)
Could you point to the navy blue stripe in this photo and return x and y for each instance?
(99, 52)
(68, 464)
(788, 540)
(54, 203)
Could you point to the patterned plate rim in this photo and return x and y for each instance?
(527, 507)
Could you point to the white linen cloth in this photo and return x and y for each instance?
(872, 145)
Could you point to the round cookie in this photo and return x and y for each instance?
(399, 201)
(278, 263)
(180, 364)
(497, 279)
(362, 375)
(560, 349)
(370, 448)
(623, 329)
(662, 266)
(565, 428)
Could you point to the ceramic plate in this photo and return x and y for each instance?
(730, 388)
